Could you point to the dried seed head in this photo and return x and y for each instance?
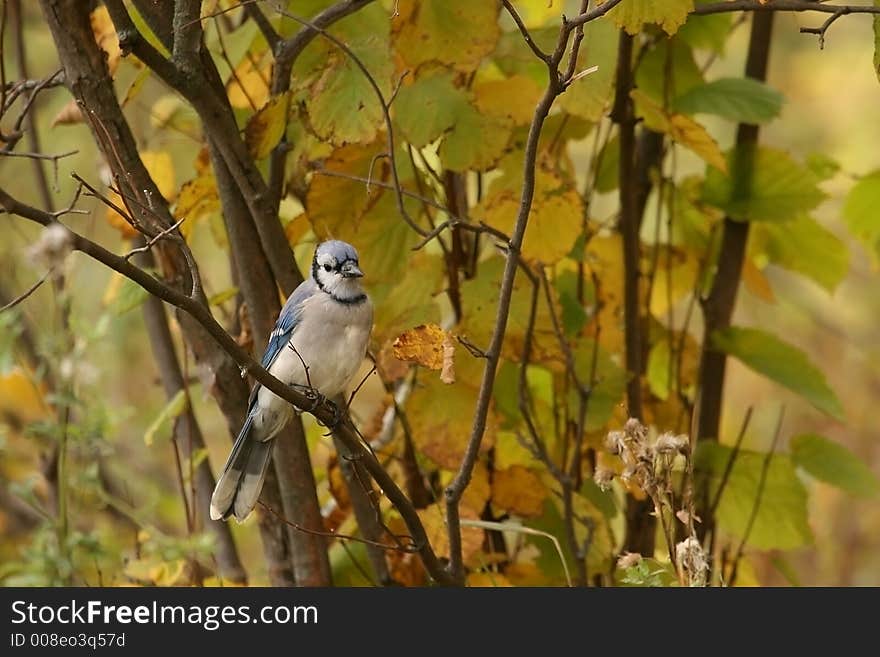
(692, 561)
(669, 443)
(614, 442)
(603, 478)
(634, 429)
(53, 247)
(628, 560)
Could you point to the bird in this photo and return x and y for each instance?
(318, 343)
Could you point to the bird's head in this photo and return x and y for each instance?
(336, 270)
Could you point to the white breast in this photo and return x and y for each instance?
(325, 351)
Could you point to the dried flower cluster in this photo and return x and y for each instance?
(53, 247)
(648, 465)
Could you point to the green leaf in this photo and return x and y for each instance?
(223, 296)
(476, 141)
(590, 96)
(781, 520)
(743, 100)
(806, 247)
(573, 317)
(834, 464)
(667, 70)
(764, 185)
(455, 32)
(669, 14)
(173, 408)
(822, 165)
(427, 108)
(266, 128)
(709, 31)
(781, 362)
(609, 386)
(130, 296)
(860, 212)
(659, 369)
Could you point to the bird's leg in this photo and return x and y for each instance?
(313, 395)
(318, 400)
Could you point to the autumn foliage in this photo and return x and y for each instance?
(658, 214)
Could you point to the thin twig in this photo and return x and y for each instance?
(401, 208)
(409, 549)
(759, 493)
(24, 295)
(731, 461)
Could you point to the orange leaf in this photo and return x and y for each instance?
(518, 490)
(426, 345)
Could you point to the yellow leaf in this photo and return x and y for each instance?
(161, 170)
(487, 580)
(105, 36)
(296, 228)
(20, 398)
(512, 98)
(435, 527)
(136, 85)
(669, 289)
(690, 134)
(518, 490)
(455, 32)
(555, 219)
(668, 14)
(266, 128)
(757, 282)
(680, 128)
(115, 219)
(332, 201)
(444, 414)
(248, 87)
(196, 200)
(478, 490)
(422, 345)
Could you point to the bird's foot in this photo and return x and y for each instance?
(317, 400)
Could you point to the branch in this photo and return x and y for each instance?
(173, 381)
(24, 295)
(324, 412)
(203, 89)
(386, 105)
(759, 493)
(540, 54)
(455, 490)
(186, 25)
(818, 6)
(286, 53)
(782, 5)
(718, 306)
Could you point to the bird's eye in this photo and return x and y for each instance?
(328, 268)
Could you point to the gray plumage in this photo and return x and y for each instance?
(319, 341)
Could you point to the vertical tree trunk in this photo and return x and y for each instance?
(719, 304)
(640, 524)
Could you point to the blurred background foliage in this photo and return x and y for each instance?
(460, 118)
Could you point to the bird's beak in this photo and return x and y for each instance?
(350, 270)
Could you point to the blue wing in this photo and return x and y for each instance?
(287, 322)
(284, 328)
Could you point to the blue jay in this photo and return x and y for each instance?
(319, 342)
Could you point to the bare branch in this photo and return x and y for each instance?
(324, 412)
(759, 494)
(24, 295)
(540, 54)
(456, 488)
